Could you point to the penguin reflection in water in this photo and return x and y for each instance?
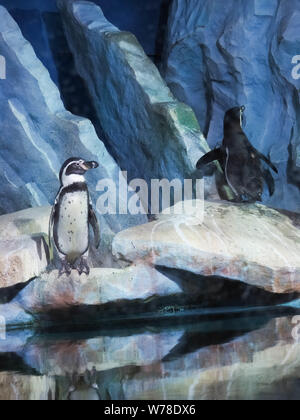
(71, 216)
(240, 161)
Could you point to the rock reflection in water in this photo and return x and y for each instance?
(241, 358)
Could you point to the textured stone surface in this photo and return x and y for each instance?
(50, 292)
(217, 58)
(114, 293)
(150, 133)
(32, 221)
(22, 258)
(249, 243)
(36, 125)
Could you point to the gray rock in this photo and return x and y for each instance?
(216, 58)
(103, 286)
(150, 133)
(50, 298)
(36, 125)
(22, 258)
(249, 243)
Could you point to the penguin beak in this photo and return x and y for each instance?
(89, 165)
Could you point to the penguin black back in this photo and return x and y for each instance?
(240, 161)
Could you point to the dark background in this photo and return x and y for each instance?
(145, 18)
(41, 25)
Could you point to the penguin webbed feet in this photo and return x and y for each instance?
(65, 268)
(82, 266)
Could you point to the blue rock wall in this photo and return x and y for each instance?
(143, 18)
(218, 57)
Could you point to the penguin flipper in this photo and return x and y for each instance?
(269, 181)
(51, 222)
(53, 215)
(267, 160)
(95, 225)
(216, 154)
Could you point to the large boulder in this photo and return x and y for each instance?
(216, 58)
(80, 300)
(24, 251)
(249, 243)
(150, 133)
(103, 286)
(35, 124)
(22, 258)
(106, 294)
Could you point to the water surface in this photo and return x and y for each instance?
(251, 355)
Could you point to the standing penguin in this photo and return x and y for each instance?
(71, 215)
(240, 161)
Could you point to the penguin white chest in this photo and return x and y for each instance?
(73, 228)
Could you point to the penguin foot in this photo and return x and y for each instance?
(83, 267)
(65, 268)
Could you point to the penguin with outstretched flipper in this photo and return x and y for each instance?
(240, 161)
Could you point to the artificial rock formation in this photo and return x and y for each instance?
(22, 259)
(150, 133)
(105, 292)
(36, 125)
(216, 58)
(24, 251)
(102, 286)
(250, 243)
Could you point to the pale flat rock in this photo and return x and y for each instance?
(22, 258)
(250, 243)
(136, 283)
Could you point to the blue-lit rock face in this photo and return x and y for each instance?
(219, 57)
(37, 134)
(150, 133)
